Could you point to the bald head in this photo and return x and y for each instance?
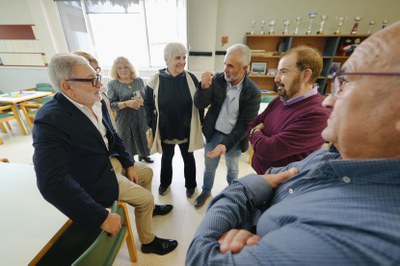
(365, 121)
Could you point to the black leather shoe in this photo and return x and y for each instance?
(163, 190)
(201, 199)
(190, 192)
(147, 159)
(160, 246)
(162, 209)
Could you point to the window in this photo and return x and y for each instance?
(136, 29)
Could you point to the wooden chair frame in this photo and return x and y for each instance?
(8, 111)
(27, 108)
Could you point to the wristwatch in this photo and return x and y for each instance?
(252, 131)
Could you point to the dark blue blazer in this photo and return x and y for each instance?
(72, 164)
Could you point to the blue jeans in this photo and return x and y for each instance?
(211, 164)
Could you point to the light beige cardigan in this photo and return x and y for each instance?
(196, 141)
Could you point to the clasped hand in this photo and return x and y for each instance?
(235, 240)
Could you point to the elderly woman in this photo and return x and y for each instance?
(126, 93)
(173, 117)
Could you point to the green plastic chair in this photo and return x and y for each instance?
(7, 113)
(268, 99)
(72, 245)
(45, 87)
(106, 248)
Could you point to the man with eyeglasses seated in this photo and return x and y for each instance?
(74, 140)
(340, 205)
(289, 129)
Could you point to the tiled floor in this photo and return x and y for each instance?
(180, 224)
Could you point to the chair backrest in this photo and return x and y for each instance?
(45, 87)
(105, 248)
(47, 99)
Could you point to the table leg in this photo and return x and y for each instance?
(18, 117)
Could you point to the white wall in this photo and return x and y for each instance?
(43, 14)
(208, 21)
(234, 17)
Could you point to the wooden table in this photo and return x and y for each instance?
(27, 221)
(14, 98)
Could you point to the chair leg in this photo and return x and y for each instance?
(8, 125)
(251, 153)
(18, 118)
(1, 141)
(29, 119)
(3, 128)
(130, 242)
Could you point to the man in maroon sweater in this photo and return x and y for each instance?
(290, 127)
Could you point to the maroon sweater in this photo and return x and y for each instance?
(290, 132)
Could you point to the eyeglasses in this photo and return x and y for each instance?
(94, 81)
(339, 79)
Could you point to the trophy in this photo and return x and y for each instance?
(371, 23)
(286, 23)
(311, 15)
(272, 23)
(321, 24)
(262, 27)
(384, 23)
(296, 31)
(355, 27)
(339, 21)
(253, 26)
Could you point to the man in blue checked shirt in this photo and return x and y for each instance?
(339, 206)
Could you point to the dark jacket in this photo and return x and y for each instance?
(214, 97)
(165, 81)
(72, 164)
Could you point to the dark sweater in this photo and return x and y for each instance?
(175, 106)
(290, 132)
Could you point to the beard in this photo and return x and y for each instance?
(287, 92)
(229, 78)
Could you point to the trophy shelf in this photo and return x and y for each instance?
(268, 48)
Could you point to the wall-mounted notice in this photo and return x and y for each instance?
(19, 46)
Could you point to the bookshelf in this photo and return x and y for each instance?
(269, 48)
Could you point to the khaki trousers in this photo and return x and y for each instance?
(138, 196)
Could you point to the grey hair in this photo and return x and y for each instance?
(173, 48)
(61, 68)
(243, 51)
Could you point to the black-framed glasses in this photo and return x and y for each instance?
(94, 81)
(339, 79)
